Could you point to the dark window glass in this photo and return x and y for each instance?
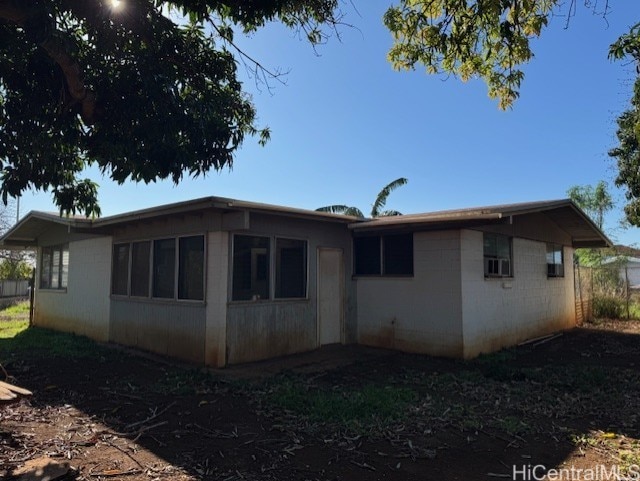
(164, 268)
(140, 261)
(250, 268)
(120, 274)
(291, 268)
(398, 255)
(367, 256)
(191, 271)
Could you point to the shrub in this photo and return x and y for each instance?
(608, 307)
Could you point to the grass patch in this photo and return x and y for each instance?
(185, 382)
(18, 340)
(19, 309)
(352, 407)
(10, 329)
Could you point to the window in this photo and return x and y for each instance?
(398, 255)
(497, 255)
(291, 268)
(120, 274)
(54, 268)
(250, 268)
(191, 271)
(140, 264)
(555, 261)
(164, 268)
(367, 256)
(154, 268)
(389, 255)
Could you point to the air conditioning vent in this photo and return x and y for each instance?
(497, 267)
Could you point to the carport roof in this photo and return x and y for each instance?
(564, 213)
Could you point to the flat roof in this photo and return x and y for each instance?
(566, 214)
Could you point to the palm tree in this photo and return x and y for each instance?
(376, 208)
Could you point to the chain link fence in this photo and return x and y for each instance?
(610, 291)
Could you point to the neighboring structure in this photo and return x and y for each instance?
(628, 269)
(221, 281)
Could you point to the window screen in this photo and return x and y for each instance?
(191, 270)
(291, 268)
(398, 255)
(367, 256)
(250, 268)
(140, 262)
(164, 268)
(120, 271)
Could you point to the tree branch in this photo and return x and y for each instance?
(53, 44)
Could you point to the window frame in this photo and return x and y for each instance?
(382, 263)
(150, 297)
(61, 249)
(555, 248)
(485, 257)
(271, 275)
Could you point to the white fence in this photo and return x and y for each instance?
(13, 288)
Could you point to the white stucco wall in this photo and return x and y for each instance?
(216, 314)
(83, 308)
(502, 312)
(422, 313)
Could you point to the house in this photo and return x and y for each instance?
(628, 269)
(220, 281)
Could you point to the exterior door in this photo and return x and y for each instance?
(330, 295)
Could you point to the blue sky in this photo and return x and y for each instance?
(346, 124)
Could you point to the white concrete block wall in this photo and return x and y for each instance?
(422, 313)
(216, 314)
(83, 308)
(502, 312)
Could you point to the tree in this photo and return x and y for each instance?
(627, 153)
(377, 206)
(143, 89)
(487, 39)
(596, 202)
(490, 40)
(14, 264)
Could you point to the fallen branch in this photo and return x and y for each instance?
(150, 418)
(114, 472)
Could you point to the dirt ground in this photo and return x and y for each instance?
(348, 413)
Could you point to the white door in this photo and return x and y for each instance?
(330, 295)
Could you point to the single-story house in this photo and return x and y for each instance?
(220, 281)
(628, 269)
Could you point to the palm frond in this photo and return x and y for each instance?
(341, 209)
(389, 213)
(381, 199)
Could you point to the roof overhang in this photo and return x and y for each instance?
(26, 232)
(564, 213)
